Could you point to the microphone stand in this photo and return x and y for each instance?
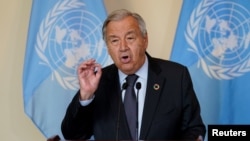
(138, 87)
(124, 87)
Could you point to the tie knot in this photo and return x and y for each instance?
(131, 79)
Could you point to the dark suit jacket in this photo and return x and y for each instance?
(171, 112)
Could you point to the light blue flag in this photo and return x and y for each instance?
(62, 33)
(213, 41)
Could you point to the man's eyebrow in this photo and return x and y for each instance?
(112, 36)
(130, 32)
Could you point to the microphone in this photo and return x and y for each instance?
(124, 87)
(138, 87)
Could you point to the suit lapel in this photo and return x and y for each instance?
(116, 104)
(153, 93)
(112, 84)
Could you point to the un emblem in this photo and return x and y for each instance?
(67, 36)
(218, 32)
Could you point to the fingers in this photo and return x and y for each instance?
(98, 70)
(89, 67)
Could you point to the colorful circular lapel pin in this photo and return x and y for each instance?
(156, 87)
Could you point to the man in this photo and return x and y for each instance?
(167, 105)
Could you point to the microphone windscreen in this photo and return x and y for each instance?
(138, 85)
(124, 85)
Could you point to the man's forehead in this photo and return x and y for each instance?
(114, 35)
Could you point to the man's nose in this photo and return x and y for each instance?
(123, 45)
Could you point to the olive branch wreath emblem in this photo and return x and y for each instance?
(68, 82)
(213, 71)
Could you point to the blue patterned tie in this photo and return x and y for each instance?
(130, 104)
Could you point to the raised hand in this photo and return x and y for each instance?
(89, 74)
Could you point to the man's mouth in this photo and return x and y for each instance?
(125, 59)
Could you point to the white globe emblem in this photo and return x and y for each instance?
(221, 38)
(67, 37)
(75, 37)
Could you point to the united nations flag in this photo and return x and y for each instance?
(212, 40)
(62, 34)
